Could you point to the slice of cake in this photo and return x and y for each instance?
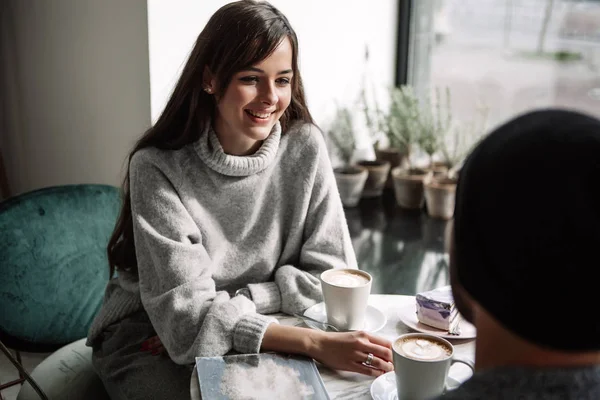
(436, 308)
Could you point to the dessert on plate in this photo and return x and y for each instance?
(436, 308)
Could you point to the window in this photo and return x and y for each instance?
(504, 57)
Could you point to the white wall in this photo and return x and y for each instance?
(75, 89)
(332, 36)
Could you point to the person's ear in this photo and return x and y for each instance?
(209, 82)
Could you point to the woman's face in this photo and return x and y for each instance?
(254, 101)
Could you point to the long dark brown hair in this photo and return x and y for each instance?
(237, 36)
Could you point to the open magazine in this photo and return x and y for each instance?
(259, 376)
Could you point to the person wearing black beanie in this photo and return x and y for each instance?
(524, 258)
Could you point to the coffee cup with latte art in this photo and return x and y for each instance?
(346, 295)
(421, 365)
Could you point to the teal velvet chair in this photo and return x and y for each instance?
(54, 270)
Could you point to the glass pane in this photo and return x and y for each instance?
(507, 56)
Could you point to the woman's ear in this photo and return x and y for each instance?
(208, 81)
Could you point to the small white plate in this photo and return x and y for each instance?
(374, 319)
(408, 315)
(384, 387)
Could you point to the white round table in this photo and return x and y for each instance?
(349, 385)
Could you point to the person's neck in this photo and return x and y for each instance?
(233, 143)
(496, 346)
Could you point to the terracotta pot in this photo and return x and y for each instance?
(440, 194)
(438, 168)
(378, 173)
(395, 157)
(408, 187)
(350, 182)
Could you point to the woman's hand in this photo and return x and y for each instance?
(349, 351)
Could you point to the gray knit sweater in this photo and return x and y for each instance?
(207, 223)
(530, 384)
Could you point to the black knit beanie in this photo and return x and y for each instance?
(527, 228)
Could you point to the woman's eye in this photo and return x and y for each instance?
(249, 79)
(254, 79)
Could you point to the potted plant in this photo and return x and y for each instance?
(434, 126)
(350, 178)
(440, 193)
(404, 122)
(379, 168)
(378, 123)
(440, 190)
(377, 174)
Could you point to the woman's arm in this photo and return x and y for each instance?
(326, 242)
(342, 351)
(175, 274)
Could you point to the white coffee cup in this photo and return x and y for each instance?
(421, 365)
(346, 295)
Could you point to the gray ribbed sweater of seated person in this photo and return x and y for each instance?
(207, 223)
(530, 383)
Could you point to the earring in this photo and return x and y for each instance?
(208, 90)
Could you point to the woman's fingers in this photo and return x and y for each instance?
(350, 351)
(378, 340)
(378, 363)
(380, 347)
(363, 369)
(378, 351)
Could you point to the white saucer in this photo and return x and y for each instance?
(374, 319)
(384, 387)
(408, 315)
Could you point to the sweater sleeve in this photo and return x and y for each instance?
(326, 242)
(175, 275)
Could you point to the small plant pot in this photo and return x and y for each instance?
(350, 182)
(395, 157)
(378, 173)
(438, 169)
(440, 194)
(408, 187)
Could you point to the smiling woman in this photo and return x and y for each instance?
(254, 101)
(230, 213)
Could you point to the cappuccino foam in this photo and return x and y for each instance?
(422, 349)
(346, 278)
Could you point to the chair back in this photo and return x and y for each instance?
(53, 263)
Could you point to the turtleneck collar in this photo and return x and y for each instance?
(211, 152)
